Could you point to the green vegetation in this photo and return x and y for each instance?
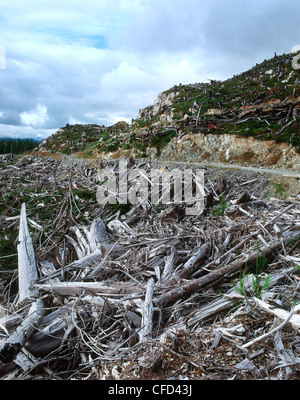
(220, 210)
(84, 194)
(8, 251)
(259, 285)
(279, 189)
(162, 139)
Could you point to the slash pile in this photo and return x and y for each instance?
(145, 291)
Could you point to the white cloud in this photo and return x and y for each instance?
(296, 48)
(37, 117)
(74, 121)
(96, 61)
(25, 132)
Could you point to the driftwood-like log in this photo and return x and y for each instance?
(9, 323)
(192, 264)
(51, 332)
(169, 266)
(147, 313)
(92, 239)
(84, 262)
(279, 312)
(75, 288)
(16, 340)
(224, 302)
(216, 275)
(26, 259)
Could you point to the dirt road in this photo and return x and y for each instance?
(295, 174)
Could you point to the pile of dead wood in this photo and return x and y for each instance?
(137, 280)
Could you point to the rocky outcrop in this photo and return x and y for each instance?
(229, 149)
(162, 101)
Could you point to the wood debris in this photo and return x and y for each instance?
(145, 287)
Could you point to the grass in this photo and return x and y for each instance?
(220, 210)
(84, 194)
(8, 250)
(280, 189)
(259, 285)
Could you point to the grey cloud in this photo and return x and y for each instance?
(230, 35)
(173, 26)
(53, 61)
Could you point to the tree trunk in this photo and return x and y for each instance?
(26, 259)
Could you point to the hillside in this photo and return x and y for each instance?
(261, 104)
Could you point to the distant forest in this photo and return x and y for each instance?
(16, 146)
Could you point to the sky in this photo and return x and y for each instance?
(101, 61)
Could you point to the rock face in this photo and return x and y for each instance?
(162, 101)
(229, 149)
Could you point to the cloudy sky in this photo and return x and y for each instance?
(100, 61)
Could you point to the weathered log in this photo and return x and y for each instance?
(289, 235)
(192, 264)
(147, 313)
(51, 332)
(224, 302)
(97, 235)
(9, 323)
(26, 259)
(216, 275)
(279, 312)
(92, 239)
(16, 340)
(169, 266)
(84, 262)
(47, 268)
(75, 288)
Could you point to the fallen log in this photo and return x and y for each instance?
(147, 313)
(279, 312)
(168, 271)
(221, 273)
(75, 288)
(224, 302)
(192, 264)
(16, 340)
(84, 262)
(52, 331)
